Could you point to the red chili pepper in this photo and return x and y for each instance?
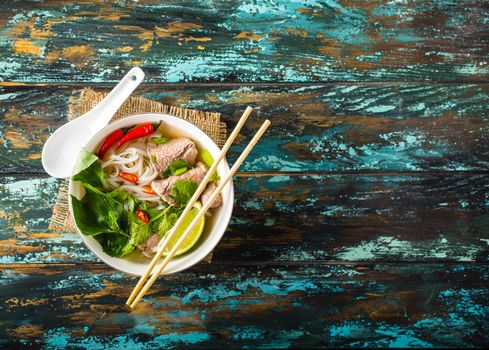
(147, 189)
(142, 215)
(128, 177)
(137, 132)
(110, 140)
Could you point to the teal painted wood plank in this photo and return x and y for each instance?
(244, 41)
(295, 219)
(404, 127)
(419, 305)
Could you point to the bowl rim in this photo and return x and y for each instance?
(227, 213)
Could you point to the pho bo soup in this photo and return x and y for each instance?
(136, 185)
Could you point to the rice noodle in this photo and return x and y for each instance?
(131, 158)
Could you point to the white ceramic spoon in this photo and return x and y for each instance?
(61, 149)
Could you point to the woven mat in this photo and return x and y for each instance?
(86, 99)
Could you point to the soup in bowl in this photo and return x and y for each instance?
(133, 180)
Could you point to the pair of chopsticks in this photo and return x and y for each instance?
(141, 289)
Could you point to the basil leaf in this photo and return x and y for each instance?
(98, 213)
(88, 170)
(87, 225)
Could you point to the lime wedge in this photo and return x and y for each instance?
(193, 236)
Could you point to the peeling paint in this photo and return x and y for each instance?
(385, 245)
(298, 41)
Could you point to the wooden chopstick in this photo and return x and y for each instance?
(190, 204)
(202, 212)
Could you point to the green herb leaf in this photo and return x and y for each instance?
(110, 216)
(164, 222)
(98, 213)
(163, 203)
(131, 203)
(119, 195)
(158, 140)
(139, 232)
(175, 166)
(114, 244)
(88, 169)
(167, 223)
(182, 191)
(153, 159)
(135, 231)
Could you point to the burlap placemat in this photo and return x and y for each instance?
(86, 99)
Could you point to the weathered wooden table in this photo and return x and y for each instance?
(361, 220)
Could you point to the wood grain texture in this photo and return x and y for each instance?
(361, 220)
(244, 41)
(425, 305)
(405, 127)
(295, 219)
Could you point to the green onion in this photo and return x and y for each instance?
(180, 171)
(153, 159)
(159, 139)
(176, 165)
(207, 158)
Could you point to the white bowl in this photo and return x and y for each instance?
(214, 228)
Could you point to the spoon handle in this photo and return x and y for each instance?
(106, 109)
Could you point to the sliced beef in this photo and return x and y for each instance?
(207, 194)
(163, 154)
(148, 246)
(164, 187)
